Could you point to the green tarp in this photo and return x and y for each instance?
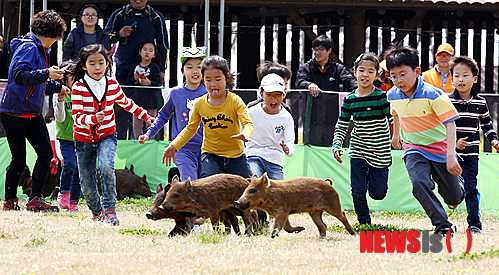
(308, 161)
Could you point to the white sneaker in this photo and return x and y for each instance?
(196, 229)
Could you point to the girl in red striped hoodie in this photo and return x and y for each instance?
(93, 96)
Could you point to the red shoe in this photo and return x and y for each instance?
(98, 218)
(110, 216)
(63, 199)
(73, 206)
(9, 205)
(39, 204)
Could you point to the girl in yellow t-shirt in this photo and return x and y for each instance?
(222, 114)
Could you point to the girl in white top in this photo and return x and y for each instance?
(274, 130)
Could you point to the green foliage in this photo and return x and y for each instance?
(369, 227)
(55, 214)
(36, 242)
(140, 205)
(260, 229)
(474, 256)
(209, 236)
(5, 235)
(142, 231)
(399, 215)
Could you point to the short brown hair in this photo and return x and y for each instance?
(467, 61)
(48, 23)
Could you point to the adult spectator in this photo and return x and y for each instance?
(132, 25)
(440, 75)
(86, 32)
(318, 74)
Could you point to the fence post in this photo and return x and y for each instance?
(306, 130)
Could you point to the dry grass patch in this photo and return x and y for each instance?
(69, 243)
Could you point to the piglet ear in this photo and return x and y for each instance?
(188, 185)
(167, 187)
(159, 188)
(265, 180)
(175, 179)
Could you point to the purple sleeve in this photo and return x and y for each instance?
(164, 115)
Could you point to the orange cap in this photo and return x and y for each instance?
(446, 47)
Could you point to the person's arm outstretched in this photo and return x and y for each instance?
(163, 116)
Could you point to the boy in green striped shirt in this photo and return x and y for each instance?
(370, 150)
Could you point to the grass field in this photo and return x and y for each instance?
(70, 243)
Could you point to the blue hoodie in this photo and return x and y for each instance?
(179, 103)
(27, 96)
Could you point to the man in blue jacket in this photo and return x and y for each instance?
(30, 77)
(132, 25)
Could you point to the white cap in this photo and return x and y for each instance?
(272, 83)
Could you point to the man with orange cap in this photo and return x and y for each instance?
(440, 76)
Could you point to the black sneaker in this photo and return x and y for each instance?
(98, 218)
(474, 229)
(444, 231)
(12, 204)
(38, 204)
(110, 217)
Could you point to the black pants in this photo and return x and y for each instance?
(35, 131)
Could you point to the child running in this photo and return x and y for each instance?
(70, 190)
(222, 113)
(145, 73)
(473, 115)
(94, 95)
(370, 151)
(179, 103)
(274, 130)
(424, 119)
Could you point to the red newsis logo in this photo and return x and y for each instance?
(398, 241)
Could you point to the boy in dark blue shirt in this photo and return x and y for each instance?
(473, 115)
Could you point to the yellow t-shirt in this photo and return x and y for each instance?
(220, 123)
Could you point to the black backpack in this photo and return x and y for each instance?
(149, 10)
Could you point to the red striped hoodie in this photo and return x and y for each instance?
(86, 105)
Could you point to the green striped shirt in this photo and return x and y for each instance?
(370, 139)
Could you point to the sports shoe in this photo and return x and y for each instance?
(443, 232)
(110, 217)
(38, 204)
(452, 206)
(11, 205)
(474, 229)
(73, 206)
(63, 199)
(98, 218)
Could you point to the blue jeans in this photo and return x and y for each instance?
(258, 166)
(470, 171)
(70, 180)
(87, 154)
(364, 177)
(188, 164)
(213, 164)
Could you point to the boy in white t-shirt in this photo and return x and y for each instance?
(274, 130)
